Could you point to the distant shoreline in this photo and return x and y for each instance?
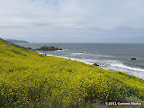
(16, 41)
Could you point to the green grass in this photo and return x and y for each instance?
(29, 79)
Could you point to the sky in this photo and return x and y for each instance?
(73, 21)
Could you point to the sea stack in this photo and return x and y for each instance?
(48, 48)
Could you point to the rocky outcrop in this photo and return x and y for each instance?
(48, 48)
(133, 58)
(95, 64)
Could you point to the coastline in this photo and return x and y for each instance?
(74, 59)
(30, 78)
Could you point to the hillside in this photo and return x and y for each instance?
(29, 79)
(16, 41)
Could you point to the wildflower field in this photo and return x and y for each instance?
(32, 80)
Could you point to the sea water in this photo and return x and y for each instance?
(110, 56)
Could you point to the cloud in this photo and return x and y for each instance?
(61, 20)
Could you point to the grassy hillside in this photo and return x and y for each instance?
(29, 79)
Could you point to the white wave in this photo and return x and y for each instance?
(127, 67)
(49, 54)
(39, 52)
(100, 55)
(44, 53)
(77, 53)
(84, 55)
(113, 65)
(82, 60)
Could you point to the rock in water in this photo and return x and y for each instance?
(48, 48)
(133, 58)
(95, 64)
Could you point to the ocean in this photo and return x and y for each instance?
(110, 56)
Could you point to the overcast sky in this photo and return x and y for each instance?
(85, 21)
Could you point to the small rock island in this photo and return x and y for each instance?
(48, 48)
